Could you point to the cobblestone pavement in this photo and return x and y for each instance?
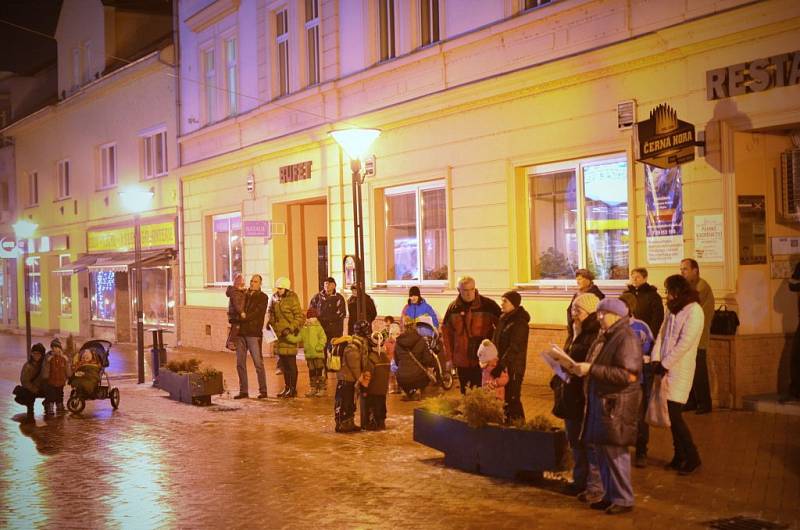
(156, 463)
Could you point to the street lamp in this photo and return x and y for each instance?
(355, 143)
(137, 201)
(24, 230)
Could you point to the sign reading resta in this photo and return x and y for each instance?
(755, 76)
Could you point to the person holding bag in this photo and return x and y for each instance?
(674, 358)
(286, 317)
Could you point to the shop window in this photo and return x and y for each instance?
(63, 179)
(416, 233)
(66, 286)
(386, 29)
(158, 307)
(154, 148)
(103, 303)
(429, 21)
(312, 40)
(282, 48)
(108, 166)
(33, 188)
(231, 79)
(579, 219)
(34, 277)
(226, 248)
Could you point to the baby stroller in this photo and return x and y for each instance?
(89, 366)
(430, 334)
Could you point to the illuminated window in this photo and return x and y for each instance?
(154, 147)
(63, 179)
(103, 304)
(158, 307)
(66, 287)
(282, 46)
(108, 165)
(429, 21)
(579, 218)
(416, 233)
(34, 277)
(231, 81)
(225, 247)
(312, 40)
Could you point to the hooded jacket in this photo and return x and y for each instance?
(286, 317)
(371, 312)
(574, 400)
(511, 338)
(33, 374)
(313, 338)
(411, 343)
(465, 325)
(649, 306)
(421, 308)
(236, 302)
(378, 367)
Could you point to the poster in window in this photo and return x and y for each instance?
(752, 230)
(663, 197)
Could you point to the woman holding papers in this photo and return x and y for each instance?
(585, 328)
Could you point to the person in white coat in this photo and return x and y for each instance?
(673, 357)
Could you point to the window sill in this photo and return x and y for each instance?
(32, 205)
(430, 286)
(568, 287)
(106, 188)
(62, 199)
(218, 285)
(154, 177)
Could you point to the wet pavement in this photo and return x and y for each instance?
(157, 463)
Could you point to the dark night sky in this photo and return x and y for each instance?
(25, 52)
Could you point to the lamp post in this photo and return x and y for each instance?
(137, 201)
(24, 230)
(355, 143)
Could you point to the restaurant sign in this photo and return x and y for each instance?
(295, 172)
(756, 76)
(156, 235)
(663, 140)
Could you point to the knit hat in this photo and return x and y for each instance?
(56, 343)
(586, 301)
(613, 305)
(586, 273)
(486, 352)
(38, 347)
(414, 291)
(312, 312)
(283, 283)
(630, 301)
(513, 297)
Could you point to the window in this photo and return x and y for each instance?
(282, 42)
(209, 85)
(529, 4)
(103, 304)
(231, 83)
(429, 21)
(386, 28)
(108, 165)
(86, 62)
(63, 179)
(76, 67)
(312, 40)
(226, 247)
(158, 299)
(34, 277)
(33, 188)
(154, 147)
(416, 233)
(579, 219)
(66, 287)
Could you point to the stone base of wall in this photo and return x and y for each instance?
(205, 328)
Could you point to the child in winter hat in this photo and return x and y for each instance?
(488, 359)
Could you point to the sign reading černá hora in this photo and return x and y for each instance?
(663, 140)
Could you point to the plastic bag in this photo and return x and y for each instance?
(657, 411)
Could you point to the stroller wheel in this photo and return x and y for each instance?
(114, 397)
(75, 404)
(447, 380)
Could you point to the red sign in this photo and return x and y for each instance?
(257, 229)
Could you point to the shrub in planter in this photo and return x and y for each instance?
(187, 383)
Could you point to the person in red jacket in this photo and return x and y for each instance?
(469, 319)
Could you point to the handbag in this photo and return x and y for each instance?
(559, 400)
(724, 322)
(657, 411)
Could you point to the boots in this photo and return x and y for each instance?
(30, 411)
(348, 425)
(283, 393)
(322, 390)
(312, 392)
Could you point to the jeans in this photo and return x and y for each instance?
(513, 404)
(469, 377)
(581, 471)
(253, 344)
(700, 396)
(643, 434)
(685, 450)
(615, 472)
(289, 367)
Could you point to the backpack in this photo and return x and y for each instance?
(58, 370)
(338, 346)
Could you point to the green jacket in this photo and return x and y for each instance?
(313, 338)
(286, 317)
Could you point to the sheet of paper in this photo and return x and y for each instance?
(564, 376)
(560, 356)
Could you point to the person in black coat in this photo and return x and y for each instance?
(371, 312)
(649, 307)
(511, 340)
(412, 357)
(585, 280)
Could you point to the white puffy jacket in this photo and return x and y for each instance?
(676, 348)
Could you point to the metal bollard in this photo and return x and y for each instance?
(155, 355)
(162, 349)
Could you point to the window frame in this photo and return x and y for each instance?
(63, 171)
(535, 4)
(33, 188)
(76, 67)
(232, 81)
(32, 272)
(282, 52)
(390, 26)
(577, 164)
(211, 279)
(63, 260)
(313, 35)
(102, 150)
(432, 22)
(150, 150)
(418, 188)
(208, 87)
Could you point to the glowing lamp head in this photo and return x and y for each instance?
(355, 142)
(24, 228)
(136, 201)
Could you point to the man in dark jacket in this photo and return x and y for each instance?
(371, 312)
(585, 280)
(250, 336)
(649, 307)
(469, 319)
(511, 339)
(613, 398)
(331, 310)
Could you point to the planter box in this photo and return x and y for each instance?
(188, 387)
(492, 450)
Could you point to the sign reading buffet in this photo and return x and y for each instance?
(756, 76)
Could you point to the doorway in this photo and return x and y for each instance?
(302, 253)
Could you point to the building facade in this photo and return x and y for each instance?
(508, 153)
(112, 131)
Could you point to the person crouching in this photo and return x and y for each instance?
(32, 379)
(488, 359)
